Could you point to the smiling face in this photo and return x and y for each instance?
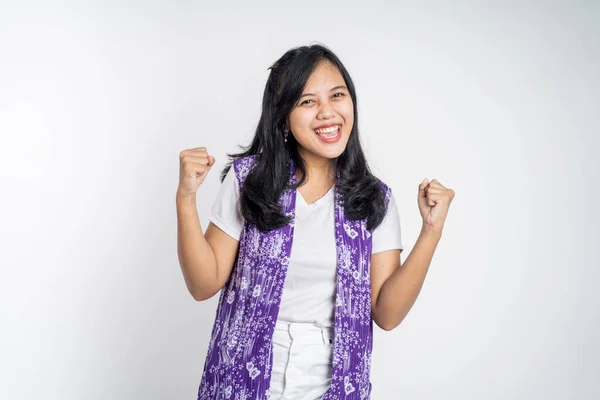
(323, 117)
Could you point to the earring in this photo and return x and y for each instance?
(285, 136)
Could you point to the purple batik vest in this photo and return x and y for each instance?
(239, 359)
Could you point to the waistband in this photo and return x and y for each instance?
(305, 332)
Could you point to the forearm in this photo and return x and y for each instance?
(196, 257)
(399, 292)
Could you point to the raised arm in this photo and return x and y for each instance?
(206, 259)
(396, 286)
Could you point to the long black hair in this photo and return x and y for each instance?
(361, 194)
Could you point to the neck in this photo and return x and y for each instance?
(319, 170)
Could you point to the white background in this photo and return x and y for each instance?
(498, 100)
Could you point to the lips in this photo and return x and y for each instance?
(329, 134)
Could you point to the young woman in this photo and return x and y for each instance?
(304, 244)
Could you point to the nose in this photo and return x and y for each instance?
(325, 111)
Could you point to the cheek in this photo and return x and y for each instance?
(300, 120)
(348, 114)
(346, 110)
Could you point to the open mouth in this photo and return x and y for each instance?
(329, 134)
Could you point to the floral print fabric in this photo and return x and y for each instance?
(239, 359)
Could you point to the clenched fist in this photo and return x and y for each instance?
(434, 200)
(194, 165)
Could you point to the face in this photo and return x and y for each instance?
(322, 119)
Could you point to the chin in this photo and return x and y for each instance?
(332, 153)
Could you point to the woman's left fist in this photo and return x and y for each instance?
(434, 200)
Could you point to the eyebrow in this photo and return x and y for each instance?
(332, 89)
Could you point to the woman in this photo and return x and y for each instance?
(303, 241)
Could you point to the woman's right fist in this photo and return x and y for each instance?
(194, 165)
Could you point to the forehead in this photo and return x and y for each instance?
(325, 76)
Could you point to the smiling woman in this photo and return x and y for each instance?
(325, 108)
(304, 244)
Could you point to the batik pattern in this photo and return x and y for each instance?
(239, 359)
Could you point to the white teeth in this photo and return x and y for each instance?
(329, 135)
(326, 131)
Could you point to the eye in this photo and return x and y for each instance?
(305, 102)
(339, 94)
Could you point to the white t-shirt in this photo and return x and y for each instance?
(310, 284)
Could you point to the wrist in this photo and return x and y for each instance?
(185, 198)
(431, 231)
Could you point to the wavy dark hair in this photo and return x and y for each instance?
(362, 196)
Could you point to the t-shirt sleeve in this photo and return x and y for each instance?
(225, 212)
(387, 235)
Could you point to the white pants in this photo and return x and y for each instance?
(302, 361)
